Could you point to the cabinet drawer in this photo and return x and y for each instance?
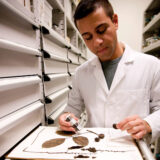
(16, 30)
(56, 99)
(56, 82)
(58, 111)
(18, 64)
(54, 48)
(18, 92)
(82, 60)
(12, 127)
(72, 67)
(70, 79)
(53, 66)
(73, 57)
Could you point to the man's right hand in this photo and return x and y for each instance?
(64, 125)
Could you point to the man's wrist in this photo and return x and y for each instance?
(148, 127)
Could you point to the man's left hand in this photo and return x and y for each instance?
(135, 126)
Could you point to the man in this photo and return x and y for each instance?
(119, 85)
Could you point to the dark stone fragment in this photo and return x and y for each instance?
(101, 136)
(75, 147)
(114, 126)
(97, 139)
(92, 149)
(81, 156)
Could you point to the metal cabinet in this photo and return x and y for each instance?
(40, 48)
(21, 87)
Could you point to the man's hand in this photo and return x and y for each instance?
(64, 125)
(135, 126)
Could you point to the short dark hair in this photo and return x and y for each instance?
(85, 7)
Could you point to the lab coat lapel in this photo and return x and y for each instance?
(99, 75)
(119, 75)
(122, 68)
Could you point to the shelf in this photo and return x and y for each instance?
(18, 11)
(152, 47)
(151, 30)
(73, 1)
(8, 45)
(56, 4)
(153, 24)
(71, 32)
(54, 36)
(154, 5)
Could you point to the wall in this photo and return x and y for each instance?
(130, 20)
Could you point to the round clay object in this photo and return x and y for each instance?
(97, 139)
(101, 136)
(114, 126)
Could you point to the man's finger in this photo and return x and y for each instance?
(121, 125)
(130, 124)
(138, 135)
(66, 128)
(135, 129)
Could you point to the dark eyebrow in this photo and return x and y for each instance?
(85, 33)
(96, 28)
(101, 25)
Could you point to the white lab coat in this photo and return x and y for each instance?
(135, 90)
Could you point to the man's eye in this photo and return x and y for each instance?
(101, 30)
(87, 37)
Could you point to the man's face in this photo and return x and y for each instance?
(99, 33)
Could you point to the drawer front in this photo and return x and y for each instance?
(56, 84)
(17, 64)
(81, 60)
(58, 111)
(53, 66)
(72, 67)
(54, 48)
(12, 127)
(17, 31)
(58, 99)
(73, 57)
(16, 98)
(70, 78)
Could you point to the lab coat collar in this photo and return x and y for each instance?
(127, 58)
(128, 55)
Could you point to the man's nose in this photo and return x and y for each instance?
(98, 41)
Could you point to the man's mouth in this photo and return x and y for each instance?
(102, 50)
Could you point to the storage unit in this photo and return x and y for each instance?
(151, 31)
(21, 88)
(60, 56)
(151, 43)
(39, 52)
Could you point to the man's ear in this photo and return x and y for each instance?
(115, 20)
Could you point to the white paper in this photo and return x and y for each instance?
(118, 149)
